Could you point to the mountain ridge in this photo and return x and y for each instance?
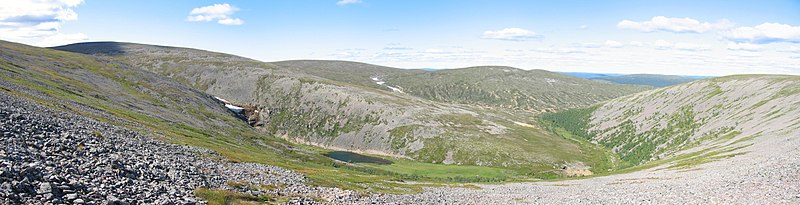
(380, 110)
(704, 141)
(706, 116)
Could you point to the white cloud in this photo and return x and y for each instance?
(34, 22)
(346, 2)
(605, 44)
(397, 48)
(435, 50)
(583, 27)
(613, 44)
(678, 25)
(231, 22)
(636, 43)
(213, 12)
(590, 45)
(743, 47)
(765, 33)
(662, 44)
(683, 57)
(510, 34)
(559, 51)
(691, 47)
(792, 49)
(666, 45)
(217, 12)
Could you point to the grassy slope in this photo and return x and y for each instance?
(526, 151)
(69, 82)
(712, 119)
(495, 86)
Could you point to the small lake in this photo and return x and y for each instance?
(355, 158)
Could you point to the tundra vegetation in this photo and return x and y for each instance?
(437, 128)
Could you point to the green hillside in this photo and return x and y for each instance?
(691, 123)
(338, 105)
(160, 107)
(494, 86)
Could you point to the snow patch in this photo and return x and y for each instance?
(234, 108)
(395, 89)
(222, 100)
(230, 106)
(381, 82)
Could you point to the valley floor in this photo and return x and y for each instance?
(745, 179)
(50, 156)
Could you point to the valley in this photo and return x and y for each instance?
(339, 106)
(373, 102)
(314, 131)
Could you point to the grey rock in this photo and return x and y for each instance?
(44, 188)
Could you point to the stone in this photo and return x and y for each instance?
(44, 188)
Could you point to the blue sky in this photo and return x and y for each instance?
(668, 37)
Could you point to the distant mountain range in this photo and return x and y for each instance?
(590, 75)
(655, 80)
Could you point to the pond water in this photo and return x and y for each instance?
(355, 158)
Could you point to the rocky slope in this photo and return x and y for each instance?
(712, 118)
(728, 140)
(83, 129)
(79, 128)
(423, 115)
(56, 157)
(495, 86)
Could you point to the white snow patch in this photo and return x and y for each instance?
(231, 107)
(234, 108)
(222, 100)
(381, 82)
(395, 89)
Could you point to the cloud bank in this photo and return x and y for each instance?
(765, 33)
(38, 22)
(677, 25)
(510, 34)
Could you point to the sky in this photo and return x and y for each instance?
(659, 37)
